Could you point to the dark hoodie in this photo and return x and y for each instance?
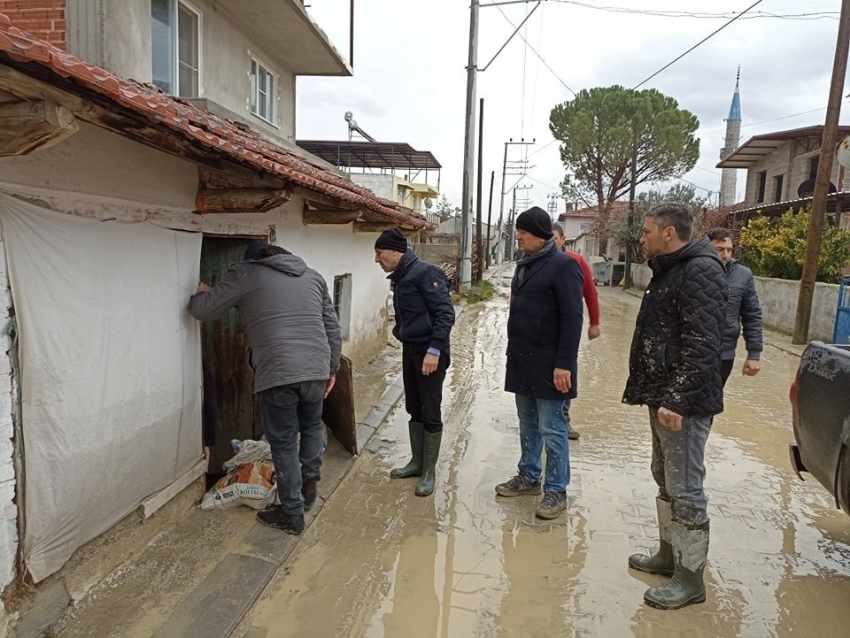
(675, 355)
(289, 318)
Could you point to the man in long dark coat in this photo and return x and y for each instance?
(544, 331)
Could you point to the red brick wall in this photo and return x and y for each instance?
(45, 19)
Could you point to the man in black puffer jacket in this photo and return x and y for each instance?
(424, 316)
(674, 369)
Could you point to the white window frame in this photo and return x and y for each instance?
(271, 96)
(175, 48)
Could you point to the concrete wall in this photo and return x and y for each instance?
(778, 299)
(381, 185)
(116, 34)
(793, 162)
(101, 175)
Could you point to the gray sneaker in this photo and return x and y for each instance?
(572, 433)
(518, 486)
(552, 505)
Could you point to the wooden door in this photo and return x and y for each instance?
(229, 404)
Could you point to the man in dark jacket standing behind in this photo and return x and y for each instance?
(424, 316)
(743, 309)
(674, 369)
(295, 348)
(544, 331)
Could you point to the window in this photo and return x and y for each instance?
(582, 229)
(263, 92)
(813, 166)
(777, 188)
(342, 303)
(176, 47)
(761, 184)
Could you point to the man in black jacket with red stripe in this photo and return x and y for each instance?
(424, 316)
(674, 369)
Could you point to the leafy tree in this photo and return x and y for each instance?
(444, 209)
(620, 232)
(776, 247)
(598, 130)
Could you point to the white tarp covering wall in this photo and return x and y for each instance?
(110, 370)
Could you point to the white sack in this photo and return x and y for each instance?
(110, 370)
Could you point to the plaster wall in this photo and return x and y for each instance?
(381, 185)
(778, 299)
(101, 175)
(116, 34)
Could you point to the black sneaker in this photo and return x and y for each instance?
(309, 490)
(277, 518)
(518, 486)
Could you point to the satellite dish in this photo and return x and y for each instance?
(843, 153)
(807, 188)
(428, 203)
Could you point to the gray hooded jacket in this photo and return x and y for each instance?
(289, 319)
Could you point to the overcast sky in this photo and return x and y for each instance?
(409, 82)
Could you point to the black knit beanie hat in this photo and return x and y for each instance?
(391, 239)
(535, 221)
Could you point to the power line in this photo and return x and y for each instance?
(807, 15)
(711, 35)
(775, 119)
(534, 51)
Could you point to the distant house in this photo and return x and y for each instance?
(116, 196)
(579, 229)
(397, 172)
(781, 169)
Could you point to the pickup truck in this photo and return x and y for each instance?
(820, 406)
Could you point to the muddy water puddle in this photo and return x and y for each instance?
(380, 562)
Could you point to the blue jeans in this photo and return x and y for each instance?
(290, 412)
(678, 466)
(542, 422)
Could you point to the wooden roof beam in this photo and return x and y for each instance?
(239, 200)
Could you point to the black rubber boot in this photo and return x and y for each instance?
(309, 491)
(414, 466)
(430, 453)
(662, 561)
(690, 551)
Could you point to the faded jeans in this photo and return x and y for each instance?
(290, 411)
(542, 423)
(678, 466)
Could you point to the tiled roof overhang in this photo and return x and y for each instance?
(147, 115)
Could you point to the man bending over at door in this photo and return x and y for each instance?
(295, 346)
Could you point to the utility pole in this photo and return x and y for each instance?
(469, 135)
(504, 191)
(478, 203)
(490, 218)
(630, 219)
(523, 202)
(827, 152)
(469, 150)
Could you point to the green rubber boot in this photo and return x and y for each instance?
(414, 466)
(662, 561)
(430, 453)
(690, 551)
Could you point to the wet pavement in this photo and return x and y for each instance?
(381, 562)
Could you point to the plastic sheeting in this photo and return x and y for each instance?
(110, 370)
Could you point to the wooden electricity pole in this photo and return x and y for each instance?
(827, 153)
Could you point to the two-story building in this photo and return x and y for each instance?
(144, 144)
(781, 169)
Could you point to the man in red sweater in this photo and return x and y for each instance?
(591, 300)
